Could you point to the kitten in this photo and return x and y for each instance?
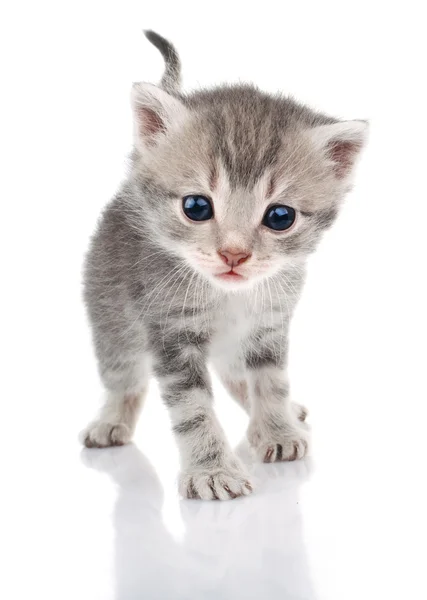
(200, 259)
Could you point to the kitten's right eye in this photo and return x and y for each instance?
(197, 208)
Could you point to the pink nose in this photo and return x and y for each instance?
(233, 257)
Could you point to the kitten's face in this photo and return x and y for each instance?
(235, 190)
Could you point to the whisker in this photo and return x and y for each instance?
(144, 312)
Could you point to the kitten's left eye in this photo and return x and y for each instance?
(279, 217)
(197, 208)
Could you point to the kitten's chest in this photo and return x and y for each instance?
(233, 325)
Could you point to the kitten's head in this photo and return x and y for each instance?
(239, 183)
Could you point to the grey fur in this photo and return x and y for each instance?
(247, 151)
(171, 79)
(152, 297)
(190, 424)
(262, 356)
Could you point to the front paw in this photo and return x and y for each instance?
(283, 442)
(221, 482)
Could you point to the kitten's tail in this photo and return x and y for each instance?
(171, 80)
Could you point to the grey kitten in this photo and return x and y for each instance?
(200, 259)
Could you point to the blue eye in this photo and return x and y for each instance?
(197, 208)
(279, 217)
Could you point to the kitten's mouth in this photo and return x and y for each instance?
(230, 275)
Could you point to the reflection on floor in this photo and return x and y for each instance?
(245, 548)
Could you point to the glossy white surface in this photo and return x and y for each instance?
(348, 524)
(107, 524)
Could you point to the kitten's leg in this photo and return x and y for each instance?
(210, 470)
(274, 429)
(126, 386)
(238, 390)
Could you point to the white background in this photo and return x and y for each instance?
(351, 522)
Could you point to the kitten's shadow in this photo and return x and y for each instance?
(247, 548)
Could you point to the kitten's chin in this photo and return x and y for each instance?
(232, 282)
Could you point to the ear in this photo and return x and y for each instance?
(155, 113)
(341, 143)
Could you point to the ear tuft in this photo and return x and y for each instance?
(150, 122)
(342, 143)
(343, 154)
